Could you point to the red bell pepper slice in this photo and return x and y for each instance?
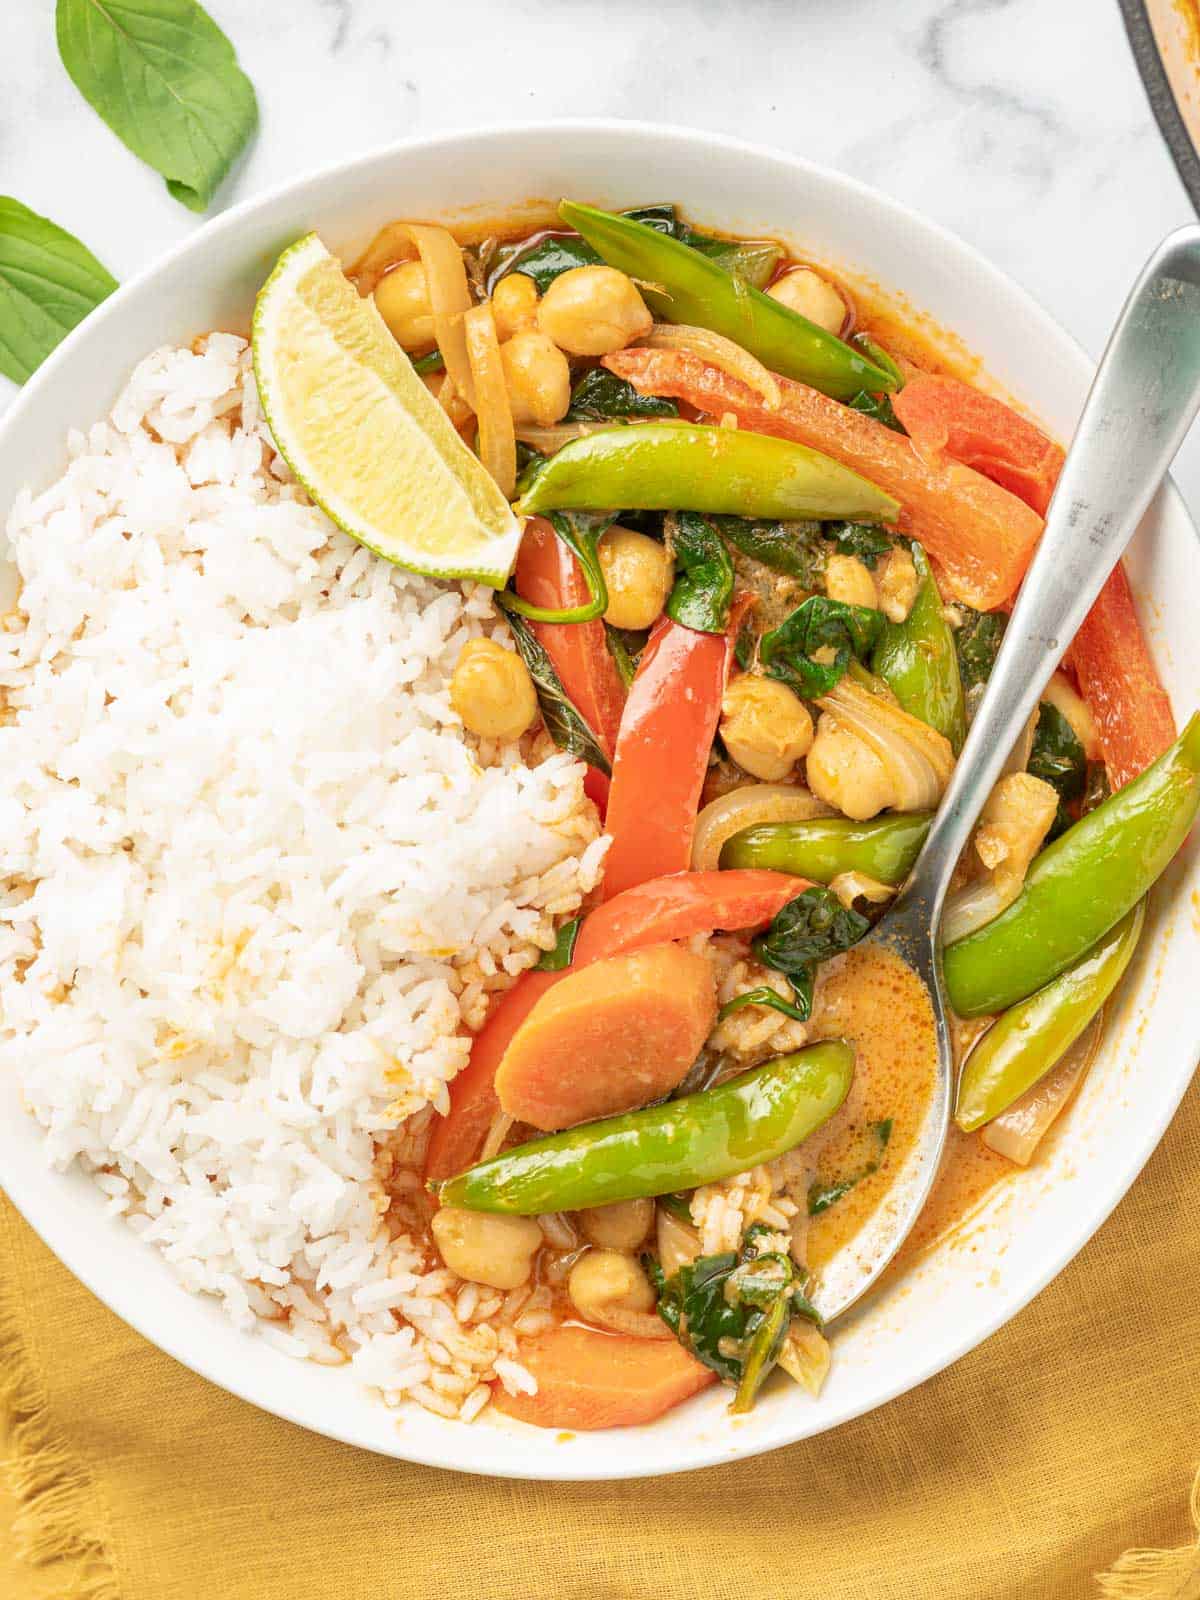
(548, 575)
(944, 415)
(980, 535)
(667, 908)
(1109, 653)
(667, 730)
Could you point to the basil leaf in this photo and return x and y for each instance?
(978, 644)
(871, 1149)
(1057, 756)
(861, 539)
(165, 79)
(694, 1307)
(809, 929)
(563, 722)
(600, 396)
(704, 585)
(48, 283)
(794, 549)
(820, 623)
(559, 958)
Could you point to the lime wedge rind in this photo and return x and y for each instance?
(363, 435)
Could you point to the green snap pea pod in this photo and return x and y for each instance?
(916, 658)
(661, 1149)
(691, 289)
(822, 847)
(1080, 886)
(685, 466)
(1022, 1045)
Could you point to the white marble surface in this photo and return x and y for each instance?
(1020, 124)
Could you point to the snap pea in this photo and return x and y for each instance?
(1024, 1043)
(822, 847)
(661, 1149)
(916, 658)
(1080, 886)
(689, 288)
(684, 466)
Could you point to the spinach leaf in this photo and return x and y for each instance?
(601, 396)
(580, 531)
(978, 644)
(48, 283)
(762, 996)
(704, 585)
(809, 929)
(878, 406)
(823, 1195)
(1057, 756)
(625, 646)
(694, 1307)
(165, 79)
(563, 722)
(862, 539)
(820, 623)
(791, 548)
(558, 958)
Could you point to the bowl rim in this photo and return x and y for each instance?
(191, 1351)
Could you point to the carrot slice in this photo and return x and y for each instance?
(613, 1036)
(1111, 658)
(980, 535)
(548, 575)
(667, 908)
(942, 414)
(667, 731)
(1120, 683)
(588, 1379)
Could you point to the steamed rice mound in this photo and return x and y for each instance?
(256, 882)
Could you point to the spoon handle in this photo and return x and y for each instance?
(1141, 404)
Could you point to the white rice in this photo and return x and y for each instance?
(254, 878)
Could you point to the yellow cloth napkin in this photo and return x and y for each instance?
(1018, 1474)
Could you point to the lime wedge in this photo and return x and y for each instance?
(364, 435)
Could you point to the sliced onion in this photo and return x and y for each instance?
(1017, 1132)
(678, 1242)
(391, 245)
(451, 402)
(852, 886)
(501, 1124)
(497, 441)
(742, 808)
(977, 904)
(719, 352)
(805, 1355)
(918, 759)
(547, 440)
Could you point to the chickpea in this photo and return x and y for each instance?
(402, 299)
(492, 691)
(495, 1250)
(620, 1226)
(898, 584)
(813, 296)
(766, 728)
(639, 572)
(846, 773)
(537, 376)
(592, 311)
(849, 580)
(611, 1290)
(514, 305)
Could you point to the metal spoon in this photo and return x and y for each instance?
(1141, 404)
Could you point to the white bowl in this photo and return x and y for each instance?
(1034, 1226)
